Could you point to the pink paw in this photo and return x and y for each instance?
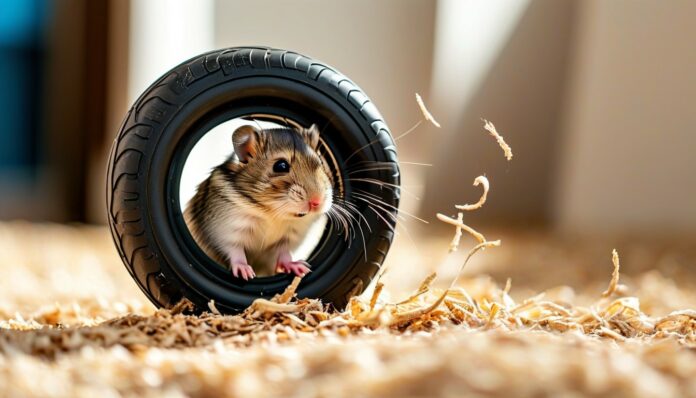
(244, 271)
(299, 268)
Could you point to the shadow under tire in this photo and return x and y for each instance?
(158, 132)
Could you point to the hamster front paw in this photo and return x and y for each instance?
(242, 270)
(238, 264)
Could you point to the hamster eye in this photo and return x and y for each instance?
(281, 166)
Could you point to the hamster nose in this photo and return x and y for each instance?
(314, 203)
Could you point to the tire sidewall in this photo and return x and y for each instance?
(174, 114)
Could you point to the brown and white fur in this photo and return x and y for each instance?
(250, 216)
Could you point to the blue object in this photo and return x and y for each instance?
(22, 24)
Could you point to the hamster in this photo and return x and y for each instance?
(258, 205)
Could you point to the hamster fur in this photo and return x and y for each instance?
(258, 205)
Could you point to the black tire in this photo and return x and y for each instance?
(165, 122)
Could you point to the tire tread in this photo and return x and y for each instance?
(125, 204)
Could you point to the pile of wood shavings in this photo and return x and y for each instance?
(477, 341)
(494, 363)
(283, 319)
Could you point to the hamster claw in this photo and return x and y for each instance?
(244, 271)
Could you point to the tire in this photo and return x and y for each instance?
(166, 121)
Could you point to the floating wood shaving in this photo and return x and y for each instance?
(614, 275)
(428, 116)
(491, 129)
(454, 244)
(452, 221)
(474, 250)
(480, 180)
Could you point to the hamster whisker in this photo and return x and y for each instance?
(346, 210)
(345, 214)
(399, 211)
(393, 226)
(416, 163)
(382, 184)
(378, 163)
(369, 169)
(347, 224)
(341, 220)
(333, 220)
(387, 223)
(352, 207)
(355, 210)
(362, 233)
(400, 136)
(375, 181)
(360, 150)
(385, 210)
(368, 193)
(409, 131)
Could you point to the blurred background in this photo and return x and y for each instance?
(596, 98)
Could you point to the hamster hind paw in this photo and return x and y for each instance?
(299, 268)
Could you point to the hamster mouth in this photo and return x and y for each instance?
(300, 215)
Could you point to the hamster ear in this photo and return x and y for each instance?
(246, 141)
(311, 136)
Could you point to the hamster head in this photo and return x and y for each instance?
(279, 172)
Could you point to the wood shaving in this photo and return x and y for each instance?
(375, 295)
(289, 292)
(452, 221)
(454, 244)
(491, 129)
(614, 275)
(425, 285)
(508, 285)
(428, 116)
(264, 306)
(400, 318)
(474, 250)
(480, 180)
(213, 308)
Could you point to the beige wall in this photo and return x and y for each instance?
(384, 46)
(595, 97)
(628, 158)
(521, 91)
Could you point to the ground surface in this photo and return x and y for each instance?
(72, 323)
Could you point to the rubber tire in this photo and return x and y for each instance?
(138, 157)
